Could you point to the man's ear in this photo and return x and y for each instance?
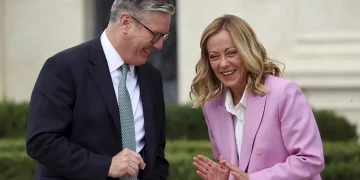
(125, 22)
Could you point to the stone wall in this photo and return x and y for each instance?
(318, 40)
(31, 32)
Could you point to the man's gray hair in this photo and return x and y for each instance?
(138, 8)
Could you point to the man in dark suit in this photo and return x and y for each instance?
(97, 109)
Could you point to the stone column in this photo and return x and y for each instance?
(325, 57)
(3, 69)
(36, 30)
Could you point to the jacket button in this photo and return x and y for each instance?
(258, 151)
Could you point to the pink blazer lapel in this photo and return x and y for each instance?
(227, 144)
(253, 117)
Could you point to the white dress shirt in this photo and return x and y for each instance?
(115, 62)
(238, 113)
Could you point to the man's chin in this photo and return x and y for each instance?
(141, 61)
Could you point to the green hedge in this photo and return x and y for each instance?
(334, 127)
(342, 160)
(183, 122)
(13, 119)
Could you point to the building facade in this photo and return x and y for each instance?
(317, 40)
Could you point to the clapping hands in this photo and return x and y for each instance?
(210, 170)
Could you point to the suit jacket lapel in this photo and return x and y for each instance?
(100, 74)
(99, 71)
(145, 96)
(228, 136)
(253, 117)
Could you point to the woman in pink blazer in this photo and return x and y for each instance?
(261, 126)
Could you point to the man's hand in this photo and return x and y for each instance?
(125, 162)
(235, 171)
(210, 170)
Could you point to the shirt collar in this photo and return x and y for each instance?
(113, 58)
(229, 103)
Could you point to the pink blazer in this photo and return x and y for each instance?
(281, 140)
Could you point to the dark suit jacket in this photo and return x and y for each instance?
(74, 129)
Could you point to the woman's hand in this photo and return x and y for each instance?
(235, 171)
(210, 170)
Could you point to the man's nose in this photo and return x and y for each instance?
(159, 44)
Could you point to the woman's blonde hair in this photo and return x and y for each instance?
(206, 85)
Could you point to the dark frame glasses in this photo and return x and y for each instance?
(156, 36)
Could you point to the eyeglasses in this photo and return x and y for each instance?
(156, 36)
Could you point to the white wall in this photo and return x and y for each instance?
(273, 21)
(291, 31)
(193, 17)
(33, 31)
(318, 40)
(2, 50)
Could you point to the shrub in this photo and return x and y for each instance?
(337, 171)
(13, 119)
(180, 153)
(183, 122)
(334, 127)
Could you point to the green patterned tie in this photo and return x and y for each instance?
(126, 116)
